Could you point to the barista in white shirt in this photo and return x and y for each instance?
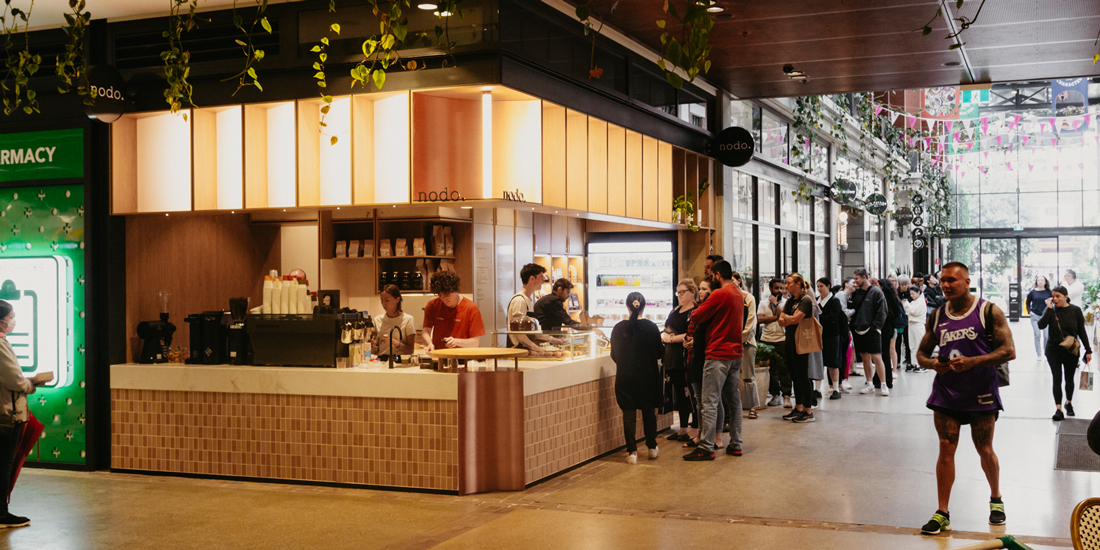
(405, 337)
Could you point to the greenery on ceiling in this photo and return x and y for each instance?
(21, 63)
(691, 51)
(252, 55)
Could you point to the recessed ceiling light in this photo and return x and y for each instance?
(444, 14)
(952, 64)
(427, 7)
(716, 9)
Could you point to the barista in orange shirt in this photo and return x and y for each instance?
(450, 321)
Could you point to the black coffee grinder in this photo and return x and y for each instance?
(156, 336)
(240, 352)
(209, 334)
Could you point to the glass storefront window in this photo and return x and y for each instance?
(788, 210)
(742, 196)
(966, 212)
(821, 263)
(1069, 208)
(805, 247)
(786, 252)
(819, 159)
(805, 214)
(820, 205)
(768, 191)
(1000, 210)
(775, 140)
(767, 258)
(1091, 208)
(741, 233)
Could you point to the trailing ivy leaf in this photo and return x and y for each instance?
(316, 66)
(259, 55)
(926, 31)
(675, 80)
(315, 49)
(323, 57)
(959, 4)
(257, 84)
(252, 73)
(583, 12)
(400, 30)
(324, 40)
(335, 27)
(661, 23)
(240, 42)
(955, 46)
(266, 25)
(661, 64)
(333, 140)
(326, 98)
(325, 109)
(379, 78)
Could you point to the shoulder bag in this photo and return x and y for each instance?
(987, 322)
(807, 338)
(1068, 343)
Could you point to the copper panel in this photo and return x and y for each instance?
(490, 431)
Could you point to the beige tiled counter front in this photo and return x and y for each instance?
(396, 428)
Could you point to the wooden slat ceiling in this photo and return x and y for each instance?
(862, 45)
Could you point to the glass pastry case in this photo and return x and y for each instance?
(561, 345)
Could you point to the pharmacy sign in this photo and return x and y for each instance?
(50, 154)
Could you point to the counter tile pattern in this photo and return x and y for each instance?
(567, 426)
(360, 440)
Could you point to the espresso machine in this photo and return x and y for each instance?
(209, 338)
(156, 336)
(240, 352)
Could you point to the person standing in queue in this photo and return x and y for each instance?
(1062, 318)
(673, 336)
(799, 306)
(708, 265)
(695, 346)
(14, 388)
(772, 334)
(748, 340)
(972, 343)
(636, 349)
(833, 323)
(450, 321)
(550, 309)
(725, 310)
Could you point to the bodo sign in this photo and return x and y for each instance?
(734, 146)
(110, 93)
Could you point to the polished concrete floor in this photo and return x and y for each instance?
(862, 476)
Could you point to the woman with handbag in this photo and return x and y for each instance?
(1067, 334)
(673, 336)
(799, 306)
(14, 388)
(636, 349)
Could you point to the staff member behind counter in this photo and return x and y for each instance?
(450, 321)
(532, 276)
(550, 309)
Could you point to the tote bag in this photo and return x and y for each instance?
(807, 339)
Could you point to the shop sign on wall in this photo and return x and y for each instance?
(50, 154)
(110, 93)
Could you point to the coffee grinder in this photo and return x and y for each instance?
(156, 336)
(239, 348)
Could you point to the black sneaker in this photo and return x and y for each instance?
(792, 415)
(1069, 409)
(835, 395)
(939, 522)
(997, 513)
(803, 418)
(699, 454)
(14, 521)
(733, 452)
(1058, 415)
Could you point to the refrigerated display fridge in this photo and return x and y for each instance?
(619, 264)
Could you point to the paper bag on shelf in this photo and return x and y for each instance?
(447, 265)
(353, 249)
(368, 248)
(384, 250)
(341, 249)
(438, 242)
(425, 275)
(418, 247)
(449, 242)
(401, 248)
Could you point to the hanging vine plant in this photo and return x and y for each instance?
(177, 61)
(445, 9)
(808, 122)
(691, 51)
(322, 81)
(22, 64)
(585, 14)
(72, 65)
(252, 55)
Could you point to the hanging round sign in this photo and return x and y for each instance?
(843, 191)
(918, 232)
(876, 204)
(918, 211)
(918, 200)
(733, 146)
(904, 215)
(918, 244)
(109, 88)
(918, 221)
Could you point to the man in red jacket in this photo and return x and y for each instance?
(722, 369)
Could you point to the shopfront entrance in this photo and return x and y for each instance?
(996, 263)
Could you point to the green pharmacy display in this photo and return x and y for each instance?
(42, 276)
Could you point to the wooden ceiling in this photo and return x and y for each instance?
(877, 45)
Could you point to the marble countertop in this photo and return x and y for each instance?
(373, 381)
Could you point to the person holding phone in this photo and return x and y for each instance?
(13, 411)
(1063, 319)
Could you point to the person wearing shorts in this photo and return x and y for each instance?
(867, 324)
(973, 339)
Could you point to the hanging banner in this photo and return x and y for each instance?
(971, 101)
(46, 155)
(1069, 97)
(940, 103)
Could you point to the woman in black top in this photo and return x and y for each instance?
(799, 306)
(673, 336)
(1036, 306)
(636, 348)
(889, 332)
(1063, 319)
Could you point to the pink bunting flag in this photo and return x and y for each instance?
(1009, 165)
(955, 136)
(986, 156)
(1024, 139)
(1030, 167)
(1059, 149)
(964, 173)
(1097, 138)
(940, 144)
(970, 146)
(1053, 125)
(1081, 165)
(947, 124)
(998, 140)
(1076, 123)
(911, 120)
(1054, 141)
(1015, 122)
(985, 125)
(1055, 168)
(910, 140)
(878, 109)
(1042, 127)
(928, 143)
(806, 142)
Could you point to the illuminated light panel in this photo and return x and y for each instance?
(230, 159)
(487, 144)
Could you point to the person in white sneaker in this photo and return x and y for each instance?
(636, 350)
(833, 324)
(870, 308)
(14, 388)
(767, 316)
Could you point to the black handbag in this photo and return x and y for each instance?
(668, 395)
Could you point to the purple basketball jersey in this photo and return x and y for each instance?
(965, 336)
